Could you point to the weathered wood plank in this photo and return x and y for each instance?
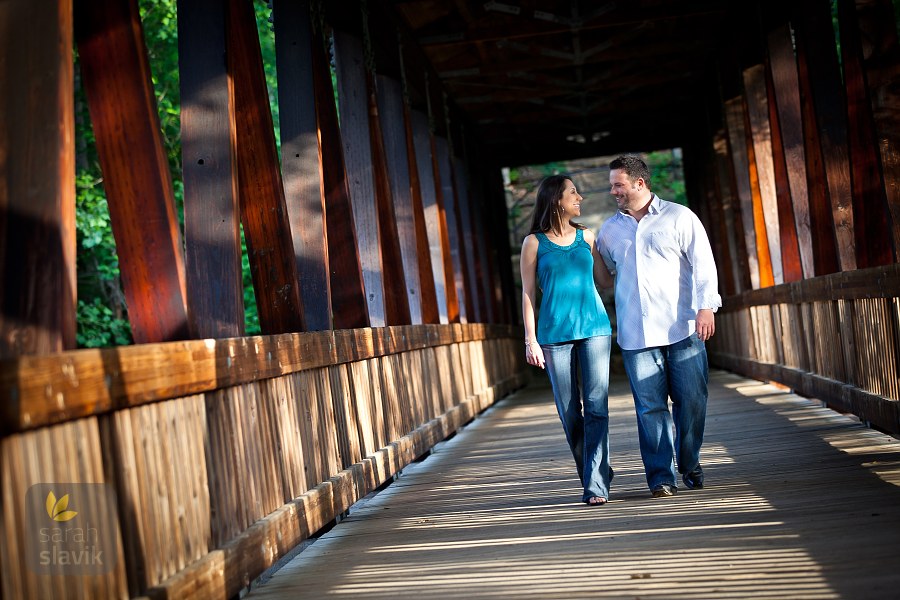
(139, 193)
(212, 238)
(430, 209)
(37, 391)
(430, 300)
(766, 274)
(69, 453)
(452, 225)
(391, 112)
(348, 295)
(790, 122)
(881, 61)
(870, 210)
(730, 215)
(791, 267)
(761, 138)
(264, 215)
(303, 183)
(815, 30)
(734, 113)
(355, 139)
(396, 303)
(37, 171)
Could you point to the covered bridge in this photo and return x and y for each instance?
(376, 232)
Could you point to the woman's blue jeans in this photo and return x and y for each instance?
(583, 409)
(679, 371)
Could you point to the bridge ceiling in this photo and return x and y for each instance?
(552, 79)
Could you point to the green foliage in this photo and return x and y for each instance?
(98, 326)
(667, 175)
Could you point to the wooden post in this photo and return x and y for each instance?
(390, 109)
(881, 63)
(766, 276)
(874, 243)
(730, 222)
(395, 295)
(139, 193)
(422, 142)
(264, 215)
(785, 82)
(303, 187)
(820, 219)
(211, 215)
(348, 295)
(444, 174)
(37, 179)
(473, 244)
(734, 113)
(791, 267)
(761, 138)
(816, 42)
(355, 139)
(431, 312)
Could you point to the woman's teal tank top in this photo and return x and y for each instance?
(571, 308)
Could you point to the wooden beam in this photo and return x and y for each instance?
(390, 111)
(881, 61)
(42, 390)
(734, 112)
(766, 276)
(816, 41)
(422, 142)
(355, 139)
(303, 182)
(431, 312)
(37, 178)
(395, 295)
(761, 138)
(820, 219)
(211, 214)
(453, 226)
(471, 243)
(730, 223)
(786, 85)
(871, 214)
(348, 294)
(791, 267)
(264, 215)
(117, 81)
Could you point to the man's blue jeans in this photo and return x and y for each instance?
(679, 371)
(584, 409)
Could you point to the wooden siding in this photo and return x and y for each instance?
(224, 454)
(832, 337)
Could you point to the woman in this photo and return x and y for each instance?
(572, 338)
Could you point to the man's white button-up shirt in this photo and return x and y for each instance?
(665, 273)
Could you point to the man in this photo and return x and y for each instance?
(666, 297)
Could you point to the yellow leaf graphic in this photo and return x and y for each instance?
(51, 502)
(56, 509)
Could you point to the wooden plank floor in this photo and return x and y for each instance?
(801, 503)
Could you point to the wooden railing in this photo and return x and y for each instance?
(834, 338)
(225, 454)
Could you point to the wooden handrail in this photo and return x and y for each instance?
(834, 337)
(42, 390)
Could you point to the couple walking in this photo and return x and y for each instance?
(666, 294)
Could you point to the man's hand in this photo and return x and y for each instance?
(706, 323)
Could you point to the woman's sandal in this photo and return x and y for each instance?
(596, 501)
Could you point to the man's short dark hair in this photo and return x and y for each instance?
(633, 166)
